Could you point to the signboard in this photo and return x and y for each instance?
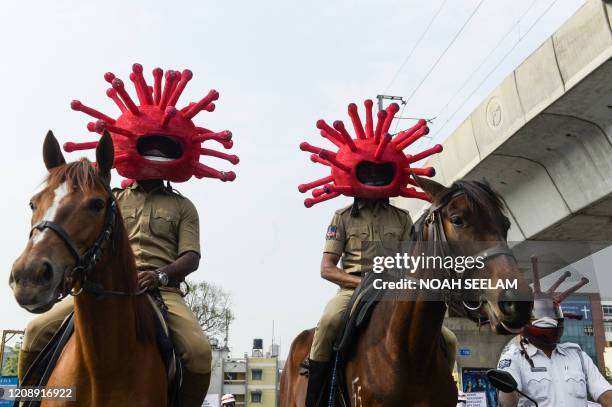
(211, 400)
(476, 399)
(6, 381)
(464, 352)
(582, 308)
(474, 380)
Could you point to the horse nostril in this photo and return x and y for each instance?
(47, 272)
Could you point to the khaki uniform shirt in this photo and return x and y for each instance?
(161, 225)
(377, 222)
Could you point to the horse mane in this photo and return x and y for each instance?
(484, 200)
(83, 176)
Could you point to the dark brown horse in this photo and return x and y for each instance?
(399, 358)
(78, 243)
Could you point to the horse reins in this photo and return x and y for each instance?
(86, 262)
(436, 234)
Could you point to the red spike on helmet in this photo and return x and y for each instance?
(156, 139)
(372, 146)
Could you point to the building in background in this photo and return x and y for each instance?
(253, 379)
(606, 307)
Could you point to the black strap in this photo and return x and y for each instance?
(58, 350)
(59, 230)
(86, 262)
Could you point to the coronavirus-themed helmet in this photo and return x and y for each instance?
(372, 165)
(155, 139)
(547, 318)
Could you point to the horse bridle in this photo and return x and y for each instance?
(435, 234)
(85, 263)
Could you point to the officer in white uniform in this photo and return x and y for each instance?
(552, 373)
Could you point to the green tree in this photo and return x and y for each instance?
(9, 364)
(211, 306)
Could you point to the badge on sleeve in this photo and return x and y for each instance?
(331, 232)
(504, 363)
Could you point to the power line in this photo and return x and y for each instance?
(445, 51)
(495, 67)
(486, 58)
(416, 44)
(397, 119)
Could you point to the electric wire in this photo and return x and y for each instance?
(416, 44)
(465, 24)
(485, 59)
(493, 70)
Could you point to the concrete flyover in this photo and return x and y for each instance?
(543, 139)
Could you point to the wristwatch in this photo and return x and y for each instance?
(163, 279)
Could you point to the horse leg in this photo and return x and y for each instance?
(292, 384)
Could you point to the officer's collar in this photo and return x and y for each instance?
(167, 189)
(373, 204)
(532, 349)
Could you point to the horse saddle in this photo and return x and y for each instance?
(38, 374)
(362, 302)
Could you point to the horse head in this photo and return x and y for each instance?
(70, 223)
(469, 219)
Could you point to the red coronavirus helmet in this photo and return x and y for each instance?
(372, 165)
(155, 139)
(547, 318)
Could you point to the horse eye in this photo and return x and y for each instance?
(32, 206)
(96, 205)
(457, 221)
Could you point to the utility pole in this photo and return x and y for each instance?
(227, 319)
(388, 97)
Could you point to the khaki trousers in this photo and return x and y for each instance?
(189, 340)
(329, 325)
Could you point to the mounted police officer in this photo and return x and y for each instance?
(162, 225)
(163, 229)
(370, 168)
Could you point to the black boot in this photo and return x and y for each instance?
(318, 372)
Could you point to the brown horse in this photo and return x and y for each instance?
(399, 358)
(78, 244)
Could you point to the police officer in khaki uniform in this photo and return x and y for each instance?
(163, 230)
(364, 221)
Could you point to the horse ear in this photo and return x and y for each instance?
(105, 155)
(52, 153)
(430, 187)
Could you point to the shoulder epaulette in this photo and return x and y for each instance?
(569, 345)
(344, 210)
